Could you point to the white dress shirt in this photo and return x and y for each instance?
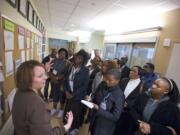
(132, 84)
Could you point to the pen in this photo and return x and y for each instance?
(139, 121)
(89, 97)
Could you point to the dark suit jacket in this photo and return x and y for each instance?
(125, 72)
(30, 116)
(135, 93)
(166, 114)
(80, 84)
(103, 122)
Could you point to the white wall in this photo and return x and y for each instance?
(96, 41)
(11, 13)
(174, 65)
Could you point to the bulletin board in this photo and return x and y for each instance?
(9, 83)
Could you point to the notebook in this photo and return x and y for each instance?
(87, 103)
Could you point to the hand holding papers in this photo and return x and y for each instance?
(87, 103)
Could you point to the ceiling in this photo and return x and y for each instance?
(62, 16)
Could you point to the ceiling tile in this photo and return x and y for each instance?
(84, 12)
(41, 3)
(72, 2)
(59, 14)
(61, 6)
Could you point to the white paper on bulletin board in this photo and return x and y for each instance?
(9, 63)
(22, 56)
(9, 40)
(28, 42)
(27, 55)
(32, 41)
(17, 63)
(20, 41)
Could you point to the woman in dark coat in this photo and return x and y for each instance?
(156, 112)
(132, 87)
(108, 105)
(76, 89)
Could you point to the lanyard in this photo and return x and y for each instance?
(106, 97)
(73, 72)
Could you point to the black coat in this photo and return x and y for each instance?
(141, 88)
(124, 123)
(125, 72)
(103, 122)
(80, 84)
(166, 114)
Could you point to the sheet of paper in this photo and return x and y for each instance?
(9, 63)
(9, 40)
(27, 55)
(22, 56)
(20, 41)
(32, 41)
(1, 74)
(87, 103)
(28, 42)
(17, 64)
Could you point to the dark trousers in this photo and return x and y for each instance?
(77, 109)
(124, 124)
(46, 87)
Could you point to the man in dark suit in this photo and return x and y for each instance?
(124, 68)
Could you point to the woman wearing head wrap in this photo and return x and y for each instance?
(156, 112)
(76, 89)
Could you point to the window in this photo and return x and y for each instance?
(123, 50)
(138, 53)
(141, 54)
(110, 50)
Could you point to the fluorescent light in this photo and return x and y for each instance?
(129, 20)
(80, 34)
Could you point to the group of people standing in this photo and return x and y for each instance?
(126, 101)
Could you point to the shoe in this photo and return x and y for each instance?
(74, 132)
(53, 111)
(60, 113)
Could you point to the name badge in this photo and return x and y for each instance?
(103, 105)
(54, 72)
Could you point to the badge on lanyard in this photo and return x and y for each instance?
(54, 72)
(103, 103)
